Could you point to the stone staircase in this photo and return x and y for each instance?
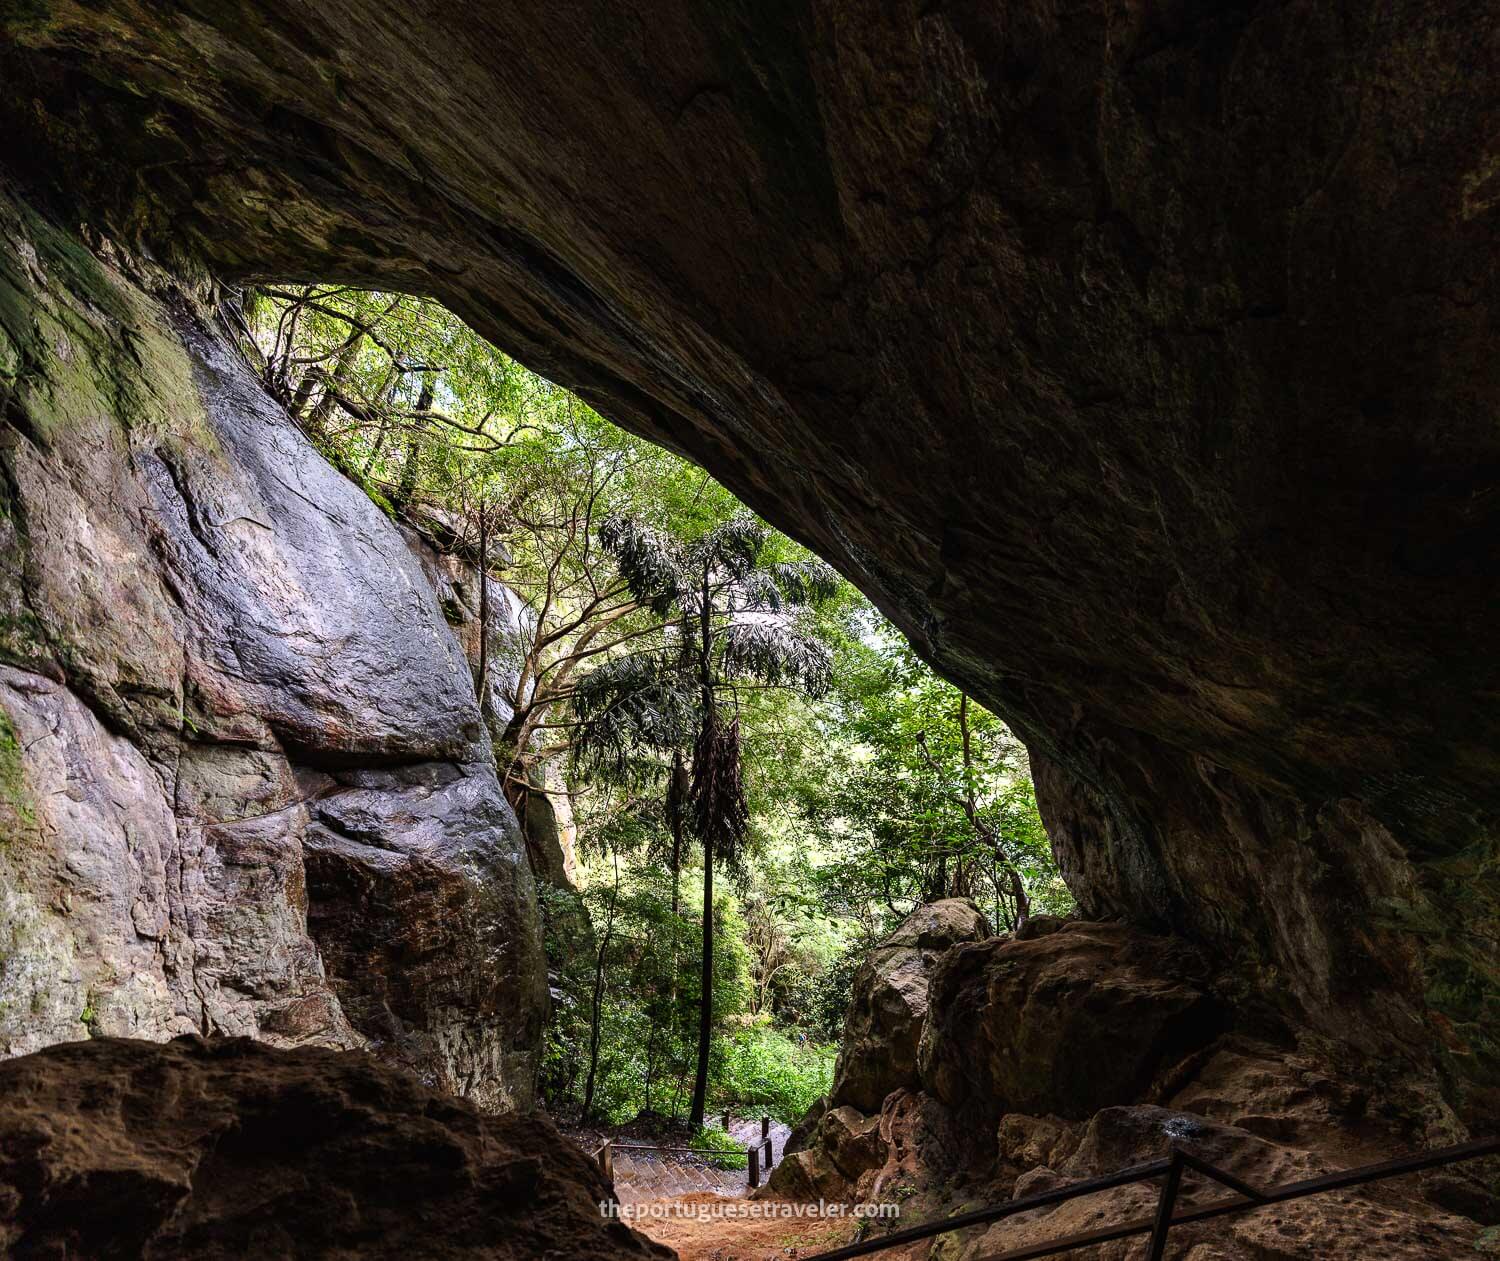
(660, 1175)
(656, 1173)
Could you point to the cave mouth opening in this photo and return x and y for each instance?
(1191, 487)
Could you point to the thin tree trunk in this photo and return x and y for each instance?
(597, 1016)
(679, 796)
(408, 485)
(650, 1065)
(310, 378)
(343, 364)
(706, 999)
(706, 996)
(971, 809)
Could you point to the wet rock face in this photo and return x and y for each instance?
(233, 719)
(193, 1149)
(888, 1008)
(1138, 360)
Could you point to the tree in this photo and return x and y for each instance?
(924, 795)
(733, 598)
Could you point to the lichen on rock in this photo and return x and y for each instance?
(208, 633)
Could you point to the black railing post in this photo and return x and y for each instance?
(1164, 1208)
(752, 1156)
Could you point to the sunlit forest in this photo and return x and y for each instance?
(720, 730)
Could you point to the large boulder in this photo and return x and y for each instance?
(1063, 1022)
(1380, 1220)
(1070, 1049)
(843, 1147)
(228, 1149)
(888, 1006)
(415, 901)
(245, 787)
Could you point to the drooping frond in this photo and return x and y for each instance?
(676, 804)
(651, 563)
(627, 707)
(806, 582)
(758, 592)
(777, 655)
(720, 814)
(733, 547)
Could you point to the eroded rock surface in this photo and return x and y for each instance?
(229, 1149)
(1137, 359)
(888, 1006)
(246, 785)
(1073, 1049)
(1063, 1023)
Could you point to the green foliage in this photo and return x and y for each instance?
(689, 665)
(921, 794)
(782, 1073)
(831, 988)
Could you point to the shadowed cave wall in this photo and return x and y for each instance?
(1137, 361)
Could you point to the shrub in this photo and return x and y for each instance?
(762, 1066)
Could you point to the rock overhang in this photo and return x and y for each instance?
(1137, 363)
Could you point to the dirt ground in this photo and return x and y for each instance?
(740, 1238)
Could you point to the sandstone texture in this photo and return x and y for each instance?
(245, 787)
(1074, 1049)
(888, 1008)
(1064, 1023)
(1393, 1221)
(1138, 360)
(227, 1149)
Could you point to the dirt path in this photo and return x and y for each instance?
(691, 1225)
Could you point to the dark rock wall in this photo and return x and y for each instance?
(1073, 1049)
(247, 789)
(1138, 360)
(229, 1149)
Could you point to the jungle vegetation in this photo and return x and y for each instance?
(757, 775)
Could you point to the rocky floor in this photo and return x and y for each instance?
(715, 1238)
(194, 1150)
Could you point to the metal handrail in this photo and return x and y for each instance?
(662, 1147)
(758, 1156)
(1166, 1217)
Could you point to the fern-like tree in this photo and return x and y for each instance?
(734, 609)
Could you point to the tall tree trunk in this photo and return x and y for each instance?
(343, 365)
(305, 387)
(677, 795)
(706, 996)
(408, 485)
(706, 999)
(971, 808)
(597, 1015)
